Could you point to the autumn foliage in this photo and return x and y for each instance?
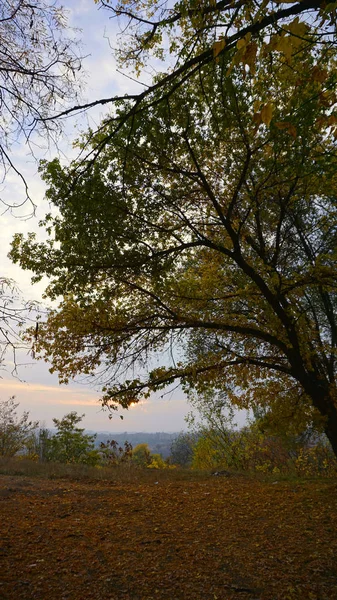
(252, 451)
(198, 224)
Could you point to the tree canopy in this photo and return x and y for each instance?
(70, 444)
(176, 40)
(202, 230)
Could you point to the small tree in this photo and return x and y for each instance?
(15, 431)
(209, 452)
(37, 444)
(111, 453)
(70, 444)
(182, 449)
(141, 455)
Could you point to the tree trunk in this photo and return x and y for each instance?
(331, 429)
(323, 400)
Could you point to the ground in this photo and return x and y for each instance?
(205, 538)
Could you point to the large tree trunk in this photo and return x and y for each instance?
(331, 429)
(323, 399)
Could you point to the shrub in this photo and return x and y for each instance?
(252, 450)
(111, 453)
(141, 455)
(70, 444)
(15, 431)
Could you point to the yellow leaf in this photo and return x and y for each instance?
(243, 41)
(330, 7)
(321, 122)
(285, 45)
(327, 99)
(318, 74)
(257, 118)
(250, 54)
(218, 47)
(332, 120)
(267, 113)
(241, 44)
(291, 129)
(297, 28)
(282, 124)
(257, 105)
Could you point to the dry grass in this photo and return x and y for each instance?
(124, 473)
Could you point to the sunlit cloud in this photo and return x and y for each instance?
(36, 387)
(78, 401)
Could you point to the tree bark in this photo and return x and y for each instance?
(331, 428)
(322, 400)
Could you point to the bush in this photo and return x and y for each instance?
(157, 462)
(251, 450)
(316, 460)
(111, 453)
(182, 449)
(141, 455)
(15, 431)
(70, 444)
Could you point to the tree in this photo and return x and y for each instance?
(70, 444)
(12, 317)
(188, 36)
(112, 453)
(208, 453)
(182, 449)
(15, 314)
(38, 64)
(38, 444)
(208, 224)
(141, 455)
(15, 431)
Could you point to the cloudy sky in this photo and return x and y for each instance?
(36, 389)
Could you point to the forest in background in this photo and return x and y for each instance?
(212, 445)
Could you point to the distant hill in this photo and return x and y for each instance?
(159, 443)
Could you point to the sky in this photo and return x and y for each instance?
(35, 388)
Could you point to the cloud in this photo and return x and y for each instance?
(36, 387)
(44, 402)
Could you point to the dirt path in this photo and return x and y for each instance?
(217, 539)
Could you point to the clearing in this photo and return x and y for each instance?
(201, 539)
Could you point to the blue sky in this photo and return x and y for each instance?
(37, 390)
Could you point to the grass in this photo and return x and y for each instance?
(123, 473)
(131, 474)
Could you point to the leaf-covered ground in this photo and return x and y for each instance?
(216, 538)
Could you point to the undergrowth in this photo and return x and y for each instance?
(128, 473)
(124, 473)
